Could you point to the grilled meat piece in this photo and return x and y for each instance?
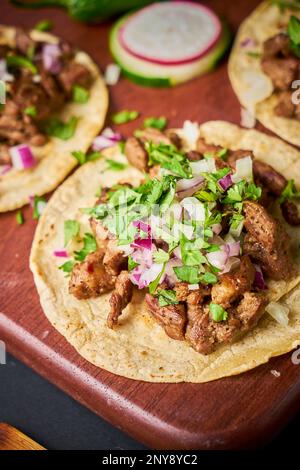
(72, 74)
(136, 154)
(4, 155)
(266, 242)
(276, 46)
(267, 176)
(203, 147)
(193, 297)
(194, 156)
(281, 71)
(174, 138)
(120, 298)
(250, 309)
(114, 260)
(290, 213)
(285, 107)
(234, 155)
(154, 135)
(24, 43)
(90, 278)
(172, 317)
(231, 286)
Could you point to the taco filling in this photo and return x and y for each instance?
(198, 234)
(281, 62)
(40, 79)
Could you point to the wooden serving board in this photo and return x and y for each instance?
(13, 439)
(230, 413)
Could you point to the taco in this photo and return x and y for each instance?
(56, 102)
(264, 67)
(175, 254)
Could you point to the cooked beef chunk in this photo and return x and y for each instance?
(120, 298)
(113, 260)
(267, 176)
(172, 317)
(174, 138)
(231, 286)
(194, 156)
(290, 212)
(203, 147)
(16, 128)
(72, 74)
(250, 309)
(26, 93)
(204, 334)
(193, 297)
(4, 155)
(285, 107)
(90, 278)
(281, 71)
(154, 135)
(100, 233)
(266, 242)
(234, 155)
(3, 51)
(277, 46)
(24, 43)
(136, 153)
(52, 89)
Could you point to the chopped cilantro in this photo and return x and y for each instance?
(62, 130)
(217, 312)
(208, 278)
(170, 158)
(19, 218)
(80, 94)
(71, 230)
(89, 246)
(166, 297)
(67, 267)
(254, 54)
(16, 61)
(131, 264)
(44, 25)
(38, 206)
(157, 123)
(289, 192)
(124, 116)
(83, 158)
(30, 111)
(161, 256)
(114, 165)
(188, 274)
(294, 34)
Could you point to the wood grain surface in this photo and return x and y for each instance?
(13, 439)
(237, 412)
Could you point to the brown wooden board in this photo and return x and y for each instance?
(13, 439)
(231, 413)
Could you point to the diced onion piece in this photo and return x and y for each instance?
(22, 157)
(231, 264)
(143, 243)
(203, 166)
(108, 138)
(191, 133)
(247, 118)
(40, 207)
(216, 228)
(218, 258)
(279, 312)
(4, 75)
(170, 275)
(186, 184)
(112, 74)
(142, 226)
(225, 182)
(60, 253)
(243, 170)
(194, 208)
(143, 278)
(193, 286)
(236, 232)
(51, 54)
(234, 248)
(259, 280)
(111, 134)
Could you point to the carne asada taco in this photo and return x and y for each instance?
(161, 267)
(264, 67)
(56, 103)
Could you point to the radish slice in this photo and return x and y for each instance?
(171, 33)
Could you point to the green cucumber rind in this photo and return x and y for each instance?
(161, 82)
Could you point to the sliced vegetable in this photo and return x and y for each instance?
(19, 218)
(150, 55)
(83, 158)
(279, 312)
(44, 25)
(157, 123)
(20, 61)
(217, 312)
(112, 74)
(60, 253)
(71, 230)
(39, 205)
(114, 165)
(89, 246)
(106, 139)
(22, 157)
(62, 130)
(80, 94)
(68, 266)
(30, 111)
(51, 56)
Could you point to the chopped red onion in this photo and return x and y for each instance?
(218, 258)
(144, 243)
(234, 248)
(231, 263)
(107, 139)
(51, 54)
(259, 281)
(143, 278)
(216, 228)
(60, 253)
(112, 135)
(22, 157)
(225, 182)
(187, 184)
(142, 226)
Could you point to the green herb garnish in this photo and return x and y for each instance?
(114, 165)
(62, 130)
(124, 116)
(89, 246)
(170, 158)
(83, 158)
(71, 230)
(217, 312)
(80, 95)
(30, 111)
(166, 297)
(289, 192)
(19, 218)
(44, 25)
(67, 267)
(156, 123)
(16, 61)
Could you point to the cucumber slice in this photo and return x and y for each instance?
(147, 73)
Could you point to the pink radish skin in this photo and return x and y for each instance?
(218, 31)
